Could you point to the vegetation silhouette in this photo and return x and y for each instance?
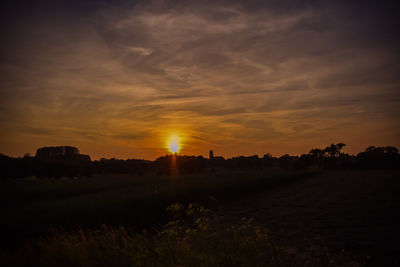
(66, 161)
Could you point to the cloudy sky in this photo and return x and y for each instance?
(117, 78)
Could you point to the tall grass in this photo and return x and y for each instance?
(195, 237)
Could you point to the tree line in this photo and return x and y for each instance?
(67, 161)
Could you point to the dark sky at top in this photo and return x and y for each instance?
(117, 78)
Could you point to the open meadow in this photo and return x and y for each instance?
(30, 206)
(350, 211)
(327, 218)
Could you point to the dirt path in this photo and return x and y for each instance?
(357, 211)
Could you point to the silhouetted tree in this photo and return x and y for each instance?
(305, 161)
(286, 161)
(379, 157)
(66, 161)
(332, 150)
(339, 147)
(268, 160)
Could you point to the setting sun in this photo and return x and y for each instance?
(174, 144)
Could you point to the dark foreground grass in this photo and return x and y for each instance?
(100, 221)
(29, 207)
(195, 237)
(356, 211)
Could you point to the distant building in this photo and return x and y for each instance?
(211, 154)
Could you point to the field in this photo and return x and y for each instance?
(330, 218)
(352, 211)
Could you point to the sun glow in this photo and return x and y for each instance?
(174, 144)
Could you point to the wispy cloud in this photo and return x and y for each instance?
(248, 76)
(139, 50)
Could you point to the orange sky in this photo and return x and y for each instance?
(238, 78)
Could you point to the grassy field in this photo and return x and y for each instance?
(29, 207)
(352, 211)
(301, 219)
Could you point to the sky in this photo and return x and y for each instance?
(121, 78)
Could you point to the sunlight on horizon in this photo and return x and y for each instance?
(174, 143)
